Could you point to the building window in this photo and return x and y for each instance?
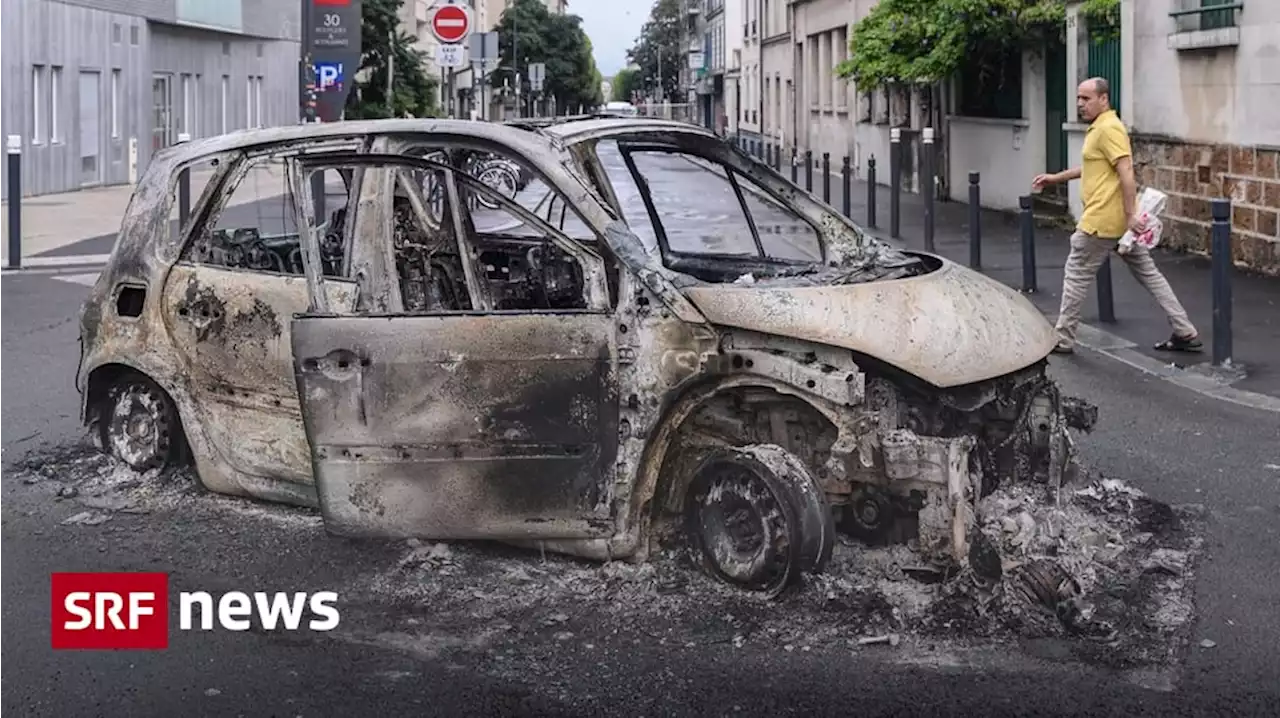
(133, 35)
(37, 89)
(117, 35)
(248, 103)
(186, 103)
(991, 85)
(226, 98)
(195, 107)
(257, 102)
(115, 104)
(55, 90)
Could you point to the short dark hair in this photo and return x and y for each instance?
(1101, 86)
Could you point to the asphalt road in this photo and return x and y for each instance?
(394, 655)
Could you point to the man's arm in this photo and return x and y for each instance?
(1067, 175)
(1056, 178)
(1128, 188)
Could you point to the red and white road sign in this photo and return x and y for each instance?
(451, 23)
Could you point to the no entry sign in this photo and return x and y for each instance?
(450, 23)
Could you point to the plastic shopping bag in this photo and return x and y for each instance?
(1151, 203)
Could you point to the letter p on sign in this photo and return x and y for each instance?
(110, 610)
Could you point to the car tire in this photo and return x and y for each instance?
(140, 425)
(756, 518)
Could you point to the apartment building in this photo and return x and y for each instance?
(1201, 115)
(94, 87)
(1200, 93)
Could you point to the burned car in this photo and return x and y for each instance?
(657, 339)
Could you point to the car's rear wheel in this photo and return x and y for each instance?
(756, 518)
(140, 425)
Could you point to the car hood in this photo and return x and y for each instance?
(950, 327)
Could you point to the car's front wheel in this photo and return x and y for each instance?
(140, 425)
(755, 517)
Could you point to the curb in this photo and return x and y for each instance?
(1125, 352)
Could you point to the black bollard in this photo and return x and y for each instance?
(895, 182)
(871, 191)
(808, 171)
(928, 183)
(975, 221)
(846, 175)
(826, 177)
(795, 166)
(1106, 300)
(13, 150)
(1222, 270)
(768, 154)
(1028, 244)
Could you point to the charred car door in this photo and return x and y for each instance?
(481, 403)
(228, 301)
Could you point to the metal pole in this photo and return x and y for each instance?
(391, 69)
(826, 177)
(871, 191)
(975, 220)
(795, 166)
(13, 149)
(895, 182)
(1106, 301)
(845, 187)
(1222, 270)
(808, 171)
(927, 184)
(1028, 244)
(184, 188)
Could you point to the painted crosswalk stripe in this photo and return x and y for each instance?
(70, 260)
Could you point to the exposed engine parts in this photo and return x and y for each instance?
(904, 466)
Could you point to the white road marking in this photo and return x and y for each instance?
(70, 260)
(87, 280)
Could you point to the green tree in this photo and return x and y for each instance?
(925, 41)
(413, 92)
(659, 51)
(625, 83)
(527, 34)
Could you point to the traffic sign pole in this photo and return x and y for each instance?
(450, 24)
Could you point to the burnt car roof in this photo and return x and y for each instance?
(529, 143)
(576, 131)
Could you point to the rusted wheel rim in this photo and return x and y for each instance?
(742, 528)
(140, 428)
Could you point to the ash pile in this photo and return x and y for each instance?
(1103, 566)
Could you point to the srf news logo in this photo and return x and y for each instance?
(131, 610)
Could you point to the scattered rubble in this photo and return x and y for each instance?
(1105, 568)
(83, 476)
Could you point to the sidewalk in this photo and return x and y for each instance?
(1256, 305)
(52, 222)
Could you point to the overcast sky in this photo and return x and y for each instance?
(613, 26)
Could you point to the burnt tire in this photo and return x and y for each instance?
(140, 425)
(756, 518)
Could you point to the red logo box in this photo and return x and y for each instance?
(110, 611)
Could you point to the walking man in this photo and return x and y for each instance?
(1109, 193)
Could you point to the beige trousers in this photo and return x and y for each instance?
(1086, 257)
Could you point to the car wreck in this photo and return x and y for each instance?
(597, 361)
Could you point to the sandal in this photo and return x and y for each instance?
(1176, 343)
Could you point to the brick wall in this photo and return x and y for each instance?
(1192, 174)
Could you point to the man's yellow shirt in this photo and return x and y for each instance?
(1105, 143)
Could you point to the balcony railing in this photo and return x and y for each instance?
(1211, 24)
